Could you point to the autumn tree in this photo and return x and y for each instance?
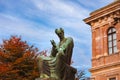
(18, 60)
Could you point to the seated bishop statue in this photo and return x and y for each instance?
(57, 65)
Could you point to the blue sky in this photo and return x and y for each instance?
(36, 20)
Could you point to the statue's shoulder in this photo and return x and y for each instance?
(69, 39)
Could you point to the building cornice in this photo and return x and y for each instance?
(100, 68)
(109, 9)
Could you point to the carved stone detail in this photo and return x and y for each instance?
(109, 19)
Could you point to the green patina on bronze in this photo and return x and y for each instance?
(57, 65)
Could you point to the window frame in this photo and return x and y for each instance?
(112, 40)
(113, 78)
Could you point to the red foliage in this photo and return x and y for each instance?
(3, 68)
(18, 60)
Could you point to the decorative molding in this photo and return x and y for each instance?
(94, 69)
(103, 13)
(110, 19)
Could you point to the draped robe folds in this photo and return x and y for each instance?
(57, 65)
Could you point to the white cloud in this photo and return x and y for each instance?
(95, 4)
(11, 25)
(61, 12)
(58, 8)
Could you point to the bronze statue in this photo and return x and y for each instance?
(57, 65)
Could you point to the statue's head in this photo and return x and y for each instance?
(60, 33)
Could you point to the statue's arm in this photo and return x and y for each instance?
(54, 48)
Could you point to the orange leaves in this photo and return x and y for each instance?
(14, 45)
(18, 58)
(3, 67)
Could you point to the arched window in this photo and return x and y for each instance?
(112, 41)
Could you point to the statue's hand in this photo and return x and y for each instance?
(53, 43)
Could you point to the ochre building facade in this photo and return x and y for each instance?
(105, 28)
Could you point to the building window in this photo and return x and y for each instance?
(112, 78)
(112, 41)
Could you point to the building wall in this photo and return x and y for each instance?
(104, 65)
(100, 54)
(105, 74)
